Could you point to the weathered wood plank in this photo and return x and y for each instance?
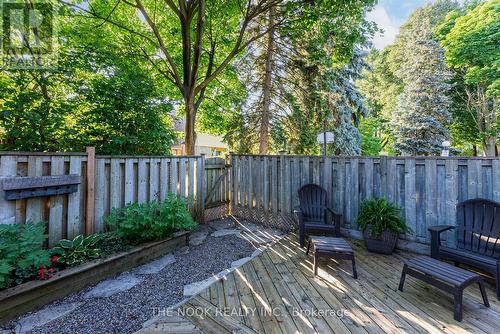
(74, 214)
(495, 165)
(265, 183)
(354, 191)
(164, 182)
(56, 204)
(28, 182)
(250, 180)
(90, 200)
(115, 185)
(8, 168)
(154, 179)
(191, 180)
(100, 183)
(34, 206)
(182, 177)
(142, 181)
(274, 184)
(430, 194)
(451, 183)
(129, 181)
(174, 175)
(410, 195)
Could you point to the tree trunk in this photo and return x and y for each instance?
(189, 133)
(490, 120)
(266, 88)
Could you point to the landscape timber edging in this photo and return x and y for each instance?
(34, 294)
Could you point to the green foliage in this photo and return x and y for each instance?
(99, 95)
(471, 39)
(151, 221)
(110, 243)
(79, 250)
(381, 215)
(371, 143)
(21, 252)
(472, 42)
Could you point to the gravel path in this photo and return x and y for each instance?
(126, 311)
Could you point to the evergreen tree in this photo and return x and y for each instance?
(423, 108)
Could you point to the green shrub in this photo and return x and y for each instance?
(21, 252)
(381, 215)
(151, 221)
(111, 243)
(79, 250)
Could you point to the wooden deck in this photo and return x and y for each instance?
(277, 293)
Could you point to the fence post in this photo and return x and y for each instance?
(201, 196)
(90, 202)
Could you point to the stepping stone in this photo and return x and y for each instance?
(257, 252)
(113, 286)
(222, 224)
(224, 232)
(194, 288)
(224, 273)
(43, 317)
(240, 262)
(156, 266)
(197, 238)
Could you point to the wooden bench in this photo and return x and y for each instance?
(331, 247)
(445, 277)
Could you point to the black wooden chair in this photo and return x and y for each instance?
(314, 215)
(478, 237)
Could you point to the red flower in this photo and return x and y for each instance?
(51, 270)
(41, 272)
(54, 259)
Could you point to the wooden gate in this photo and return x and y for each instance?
(217, 194)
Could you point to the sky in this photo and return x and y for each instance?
(389, 16)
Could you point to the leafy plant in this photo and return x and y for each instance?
(79, 250)
(111, 243)
(21, 252)
(151, 221)
(381, 215)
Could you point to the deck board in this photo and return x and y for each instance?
(277, 292)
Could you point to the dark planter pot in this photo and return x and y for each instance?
(384, 244)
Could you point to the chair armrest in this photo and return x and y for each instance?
(436, 238)
(338, 220)
(440, 228)
(298, 213)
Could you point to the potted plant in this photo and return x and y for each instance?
(381, 222)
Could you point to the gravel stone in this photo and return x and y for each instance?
(125, 312)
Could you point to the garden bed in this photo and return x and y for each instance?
(31, 295)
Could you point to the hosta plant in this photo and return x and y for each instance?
(79, 250)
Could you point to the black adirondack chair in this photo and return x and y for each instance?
(314, 215)
(478, 242)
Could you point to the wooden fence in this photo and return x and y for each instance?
(264, 188)
(106, 182)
